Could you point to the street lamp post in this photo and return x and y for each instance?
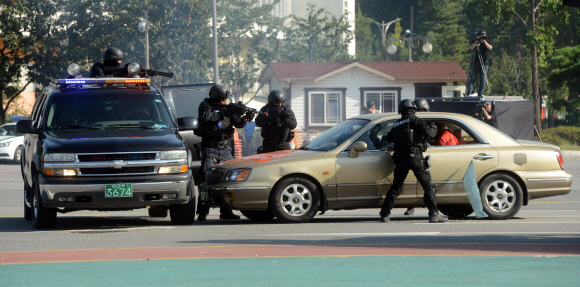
(427, 47)
(215, 44)
(384, 27)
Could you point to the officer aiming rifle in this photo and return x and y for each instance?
(277, 122)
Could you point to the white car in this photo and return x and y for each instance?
(10, 142)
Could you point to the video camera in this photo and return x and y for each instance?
(473, 36)
(478, 113)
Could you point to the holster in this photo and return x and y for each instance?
(427, 162)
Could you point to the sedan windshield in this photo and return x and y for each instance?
(107, 111)
(336, 135)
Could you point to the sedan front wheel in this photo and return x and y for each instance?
(501, 196)
(295, 200)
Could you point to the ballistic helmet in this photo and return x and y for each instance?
(406, 104)
(113, 54)
(276, 97)
(218, 92)
(421, 104)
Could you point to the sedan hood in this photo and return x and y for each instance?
(274, 158)
(104, 141)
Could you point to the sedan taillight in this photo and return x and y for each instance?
(560, 158)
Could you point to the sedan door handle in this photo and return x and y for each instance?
(483, 157)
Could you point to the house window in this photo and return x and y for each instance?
(385, 101)
(325, 108)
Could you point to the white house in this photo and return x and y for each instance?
(324, 94)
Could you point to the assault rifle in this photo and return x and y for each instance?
(240, 109)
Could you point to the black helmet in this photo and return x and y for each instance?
(406, 104)
(276, 97)
(370, 104)
(113, 54)
(421, 104)
(218, 92)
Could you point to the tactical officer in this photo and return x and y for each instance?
(113, 58)
(277, 122)
(408, 134)
(216, 128)
(422, 106)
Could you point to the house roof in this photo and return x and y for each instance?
(437, 71)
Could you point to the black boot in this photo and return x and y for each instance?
(202, 217)
(385, 219)
(228, 214)
(436, 217)
(410, 211)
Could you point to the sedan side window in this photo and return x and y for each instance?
(376, 137)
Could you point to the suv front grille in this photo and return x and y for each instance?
(118, 156)
(110, 170)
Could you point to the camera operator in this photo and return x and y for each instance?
(488, 115)
(482, 46)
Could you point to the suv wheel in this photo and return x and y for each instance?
(27, 209)
(501, 196)
(295, 200)
(42, 217)
(183, 213)
(258, 215)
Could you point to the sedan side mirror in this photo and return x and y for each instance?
(187, 124)
(26, 127)
(357, 147)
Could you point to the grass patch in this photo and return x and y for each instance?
(566, 137)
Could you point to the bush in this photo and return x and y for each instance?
(569, 133)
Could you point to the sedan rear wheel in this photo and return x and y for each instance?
(501, 196)
(295, 200)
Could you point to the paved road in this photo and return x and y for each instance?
(540, 246)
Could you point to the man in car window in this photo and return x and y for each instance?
(445, 136)
(216, 128)
(277, 121)
(408, 134)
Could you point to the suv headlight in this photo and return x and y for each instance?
(173, 154)
(59, 157)
(238, 174)
(4, 144)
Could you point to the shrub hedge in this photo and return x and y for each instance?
(559, 135)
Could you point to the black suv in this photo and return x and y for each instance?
(106, 147)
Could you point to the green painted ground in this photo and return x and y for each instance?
(304, 271)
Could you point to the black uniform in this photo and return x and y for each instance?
(216, 128)
(112, 58)
(408, 155)
(277, 123)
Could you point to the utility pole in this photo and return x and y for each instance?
(215, 45)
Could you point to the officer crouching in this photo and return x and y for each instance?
(216, 128)
(277, 122)
(409, 134)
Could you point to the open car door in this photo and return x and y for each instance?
(184, 101)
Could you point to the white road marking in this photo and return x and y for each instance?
(424, 233)
(104, 230)
(501, 222)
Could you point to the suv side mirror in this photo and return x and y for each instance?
(357, 147)
(26, 127)
(187, 124)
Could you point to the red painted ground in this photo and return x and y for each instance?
(287, 251)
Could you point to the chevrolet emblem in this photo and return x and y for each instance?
(117, 164)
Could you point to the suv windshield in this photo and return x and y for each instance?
(336, 135)
(107, 111)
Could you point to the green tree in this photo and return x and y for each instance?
(539, 18)
(24, 28)
(318, 37)
(443, 22)
(365, 40)
(566, 70)
(246, 35)
(512, 73)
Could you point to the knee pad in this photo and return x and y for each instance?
(396, 192)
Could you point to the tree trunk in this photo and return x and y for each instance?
(536, 90)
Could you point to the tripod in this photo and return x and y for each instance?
(483, 70)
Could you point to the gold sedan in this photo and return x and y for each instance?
(350, 166)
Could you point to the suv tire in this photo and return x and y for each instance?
(42, 217)
(182, 214)
(27, 210)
